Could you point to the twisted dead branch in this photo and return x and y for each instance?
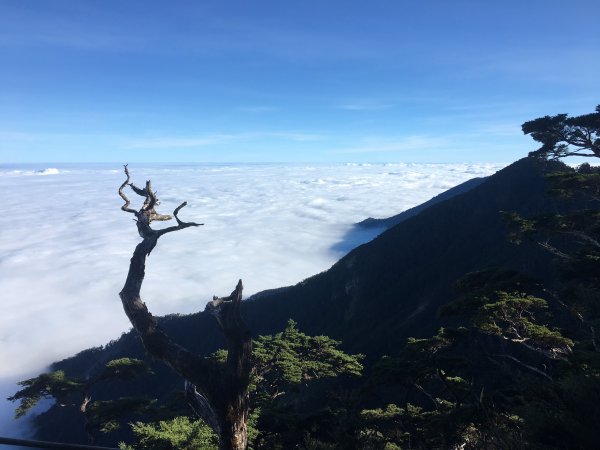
(217, 393)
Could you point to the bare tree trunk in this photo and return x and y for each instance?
(218, 393)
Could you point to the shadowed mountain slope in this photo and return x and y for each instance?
(381, 292)
(390, 288)
(395, 220)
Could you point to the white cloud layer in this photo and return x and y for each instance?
(65, 245)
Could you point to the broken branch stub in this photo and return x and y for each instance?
(217, 392)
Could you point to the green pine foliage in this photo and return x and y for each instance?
(515, 316)
(562, 136)
(291, 358)
(54, 385)
(100, 415)
(511, 360)
(501, 379)
(286, 363)
(107, 414)
(180, 433)
(124, 369)
(292, 372)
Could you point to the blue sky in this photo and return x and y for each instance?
(289, 81)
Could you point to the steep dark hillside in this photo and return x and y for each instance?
(395, 220)
(391, 287)
(381, 292)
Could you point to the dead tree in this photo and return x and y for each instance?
(217, 392)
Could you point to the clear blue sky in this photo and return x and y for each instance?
(289, 80)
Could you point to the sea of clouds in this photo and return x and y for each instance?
(65, 244)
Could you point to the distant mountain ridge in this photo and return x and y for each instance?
(377, 295)
(390, 288)
(395, 220)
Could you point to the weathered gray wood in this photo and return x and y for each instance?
(218, 393)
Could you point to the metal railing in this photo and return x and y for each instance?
(50, 445)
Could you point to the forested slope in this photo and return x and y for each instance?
(374, 298)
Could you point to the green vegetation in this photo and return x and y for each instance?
(477, 319)
(562, 136)
(75, 392)
(285, 364)
(291, 357)
(180, 433)
(513, 317)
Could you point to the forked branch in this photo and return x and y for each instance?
(218, 393)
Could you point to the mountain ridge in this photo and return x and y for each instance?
(342, 288)
(377, 295)
(389, 222)
(388, 258)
